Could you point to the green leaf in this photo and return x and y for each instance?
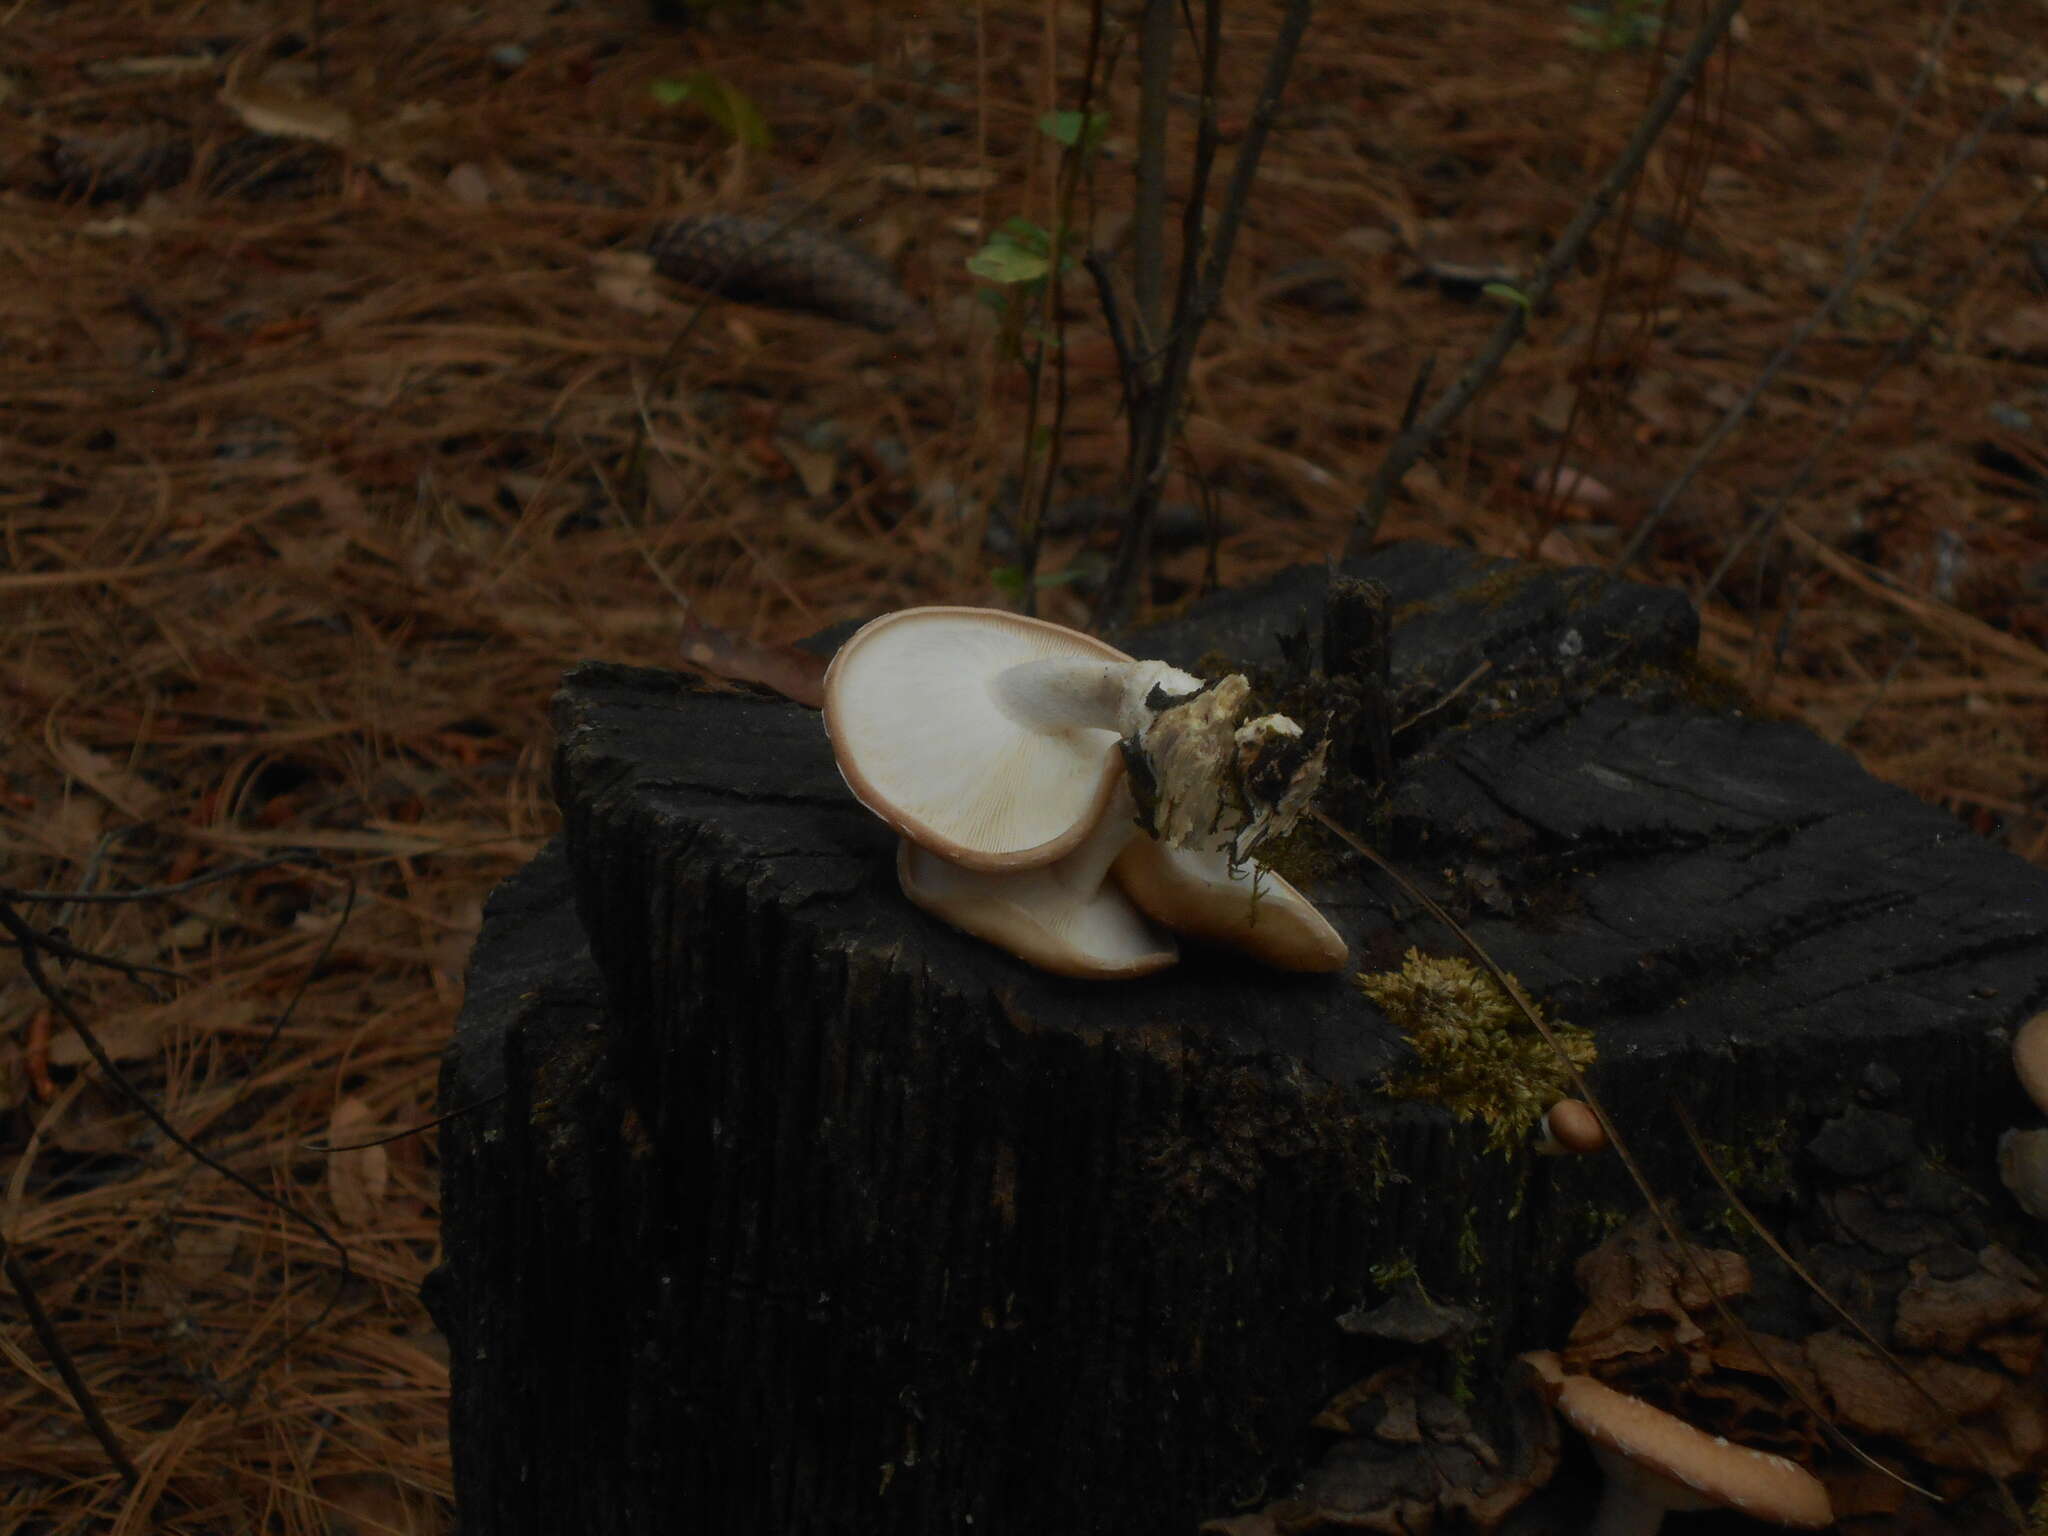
(721, 101)
(1076, 130)
(1003, 261)
(1021, 231)
(1008, 580)
(1507, 294)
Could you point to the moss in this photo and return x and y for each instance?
(1471, 1258)
(1479, 1057)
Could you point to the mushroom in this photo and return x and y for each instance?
(1571, 1126)
(1066, 917)
(998, 747)
(986, 737)
(2030, 1059)
(1655, 1462)
(2023, 1154)
(1198, 892)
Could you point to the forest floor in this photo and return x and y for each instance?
(324, 361)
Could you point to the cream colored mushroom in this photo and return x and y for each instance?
(1247, 908)
(986, 737)
(1655, 1462)
(1067, 917)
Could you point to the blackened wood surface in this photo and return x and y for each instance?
(828, 1219)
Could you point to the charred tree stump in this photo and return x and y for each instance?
(773, 1206)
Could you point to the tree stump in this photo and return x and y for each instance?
(774, 1206)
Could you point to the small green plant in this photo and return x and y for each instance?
(1018, 255)
(718, 99)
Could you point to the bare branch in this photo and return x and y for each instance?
(1419, 439)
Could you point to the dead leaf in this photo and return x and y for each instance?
(936, 180)
(286, 116)
(127, 792)
(795, 674)
(369, 1504)
(357, 1176)
(817, 469)
(2022, 332)
(468, 185)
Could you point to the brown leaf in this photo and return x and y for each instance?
(2021, 331)
(357, 1176)
(795, 674)
(1947, 1315)
(129, 792)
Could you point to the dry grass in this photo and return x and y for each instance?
(310, 493)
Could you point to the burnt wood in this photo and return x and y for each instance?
(779, 1208)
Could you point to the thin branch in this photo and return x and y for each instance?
(53, 1346)
(1418, 440)
(1767, 520)
(1852, 274)
(1148, 219)
(1197, 300)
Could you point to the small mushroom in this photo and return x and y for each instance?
(1655, 1462)
(2030, 1059)
(1570, 1126)
(2023, 1153)
(986, 737)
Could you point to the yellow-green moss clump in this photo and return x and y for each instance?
(1480, 1057)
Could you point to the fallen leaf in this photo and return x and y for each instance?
(357, 1176)
(818, 470)
(286, 116)
(2022, 332)
(127, 792)
(935, 179)
(795, 674)
(468, 184)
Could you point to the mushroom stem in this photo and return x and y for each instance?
(1633, 1502)
(1082, 693)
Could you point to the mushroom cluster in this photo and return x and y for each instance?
(2023, 1153)
(1068, 803)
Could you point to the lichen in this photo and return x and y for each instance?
(1479, 1057)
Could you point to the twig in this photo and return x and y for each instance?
(53, 1346)
(1852, 274)
(1419, 439)
(1767, 520)
(1197, 296)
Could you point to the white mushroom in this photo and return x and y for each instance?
(1655, 1462)
(1066, 917)
(986, 737)
(1198, 893)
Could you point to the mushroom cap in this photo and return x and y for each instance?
(1195, 892)
(1573, 1126)
(922, 742)
(1038, 916)
(2030, 1059)
(1704, 1467)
